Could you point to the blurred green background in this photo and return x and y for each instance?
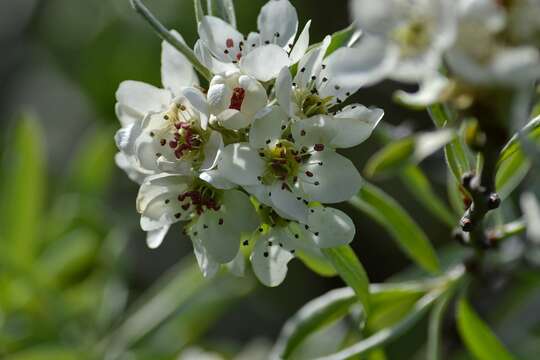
(76, 277)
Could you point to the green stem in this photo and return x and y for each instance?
(167, 36)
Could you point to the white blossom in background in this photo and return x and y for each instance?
(260, 54)
(508, 32)
(415, 32)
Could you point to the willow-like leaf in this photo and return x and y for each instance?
(389, 214)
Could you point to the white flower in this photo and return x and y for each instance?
(217, 218)
(177, 140)
(276, 246)
(286, 175)
(414, 32)
(262, 55)
(137, 100)
(322, 83)
(234, 99)
(506, 57)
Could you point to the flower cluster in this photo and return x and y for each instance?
(247, 163)
(441, 43)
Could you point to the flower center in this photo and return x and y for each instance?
(200, 196)
(283, 162)
(184, 136)
(310, 103)
(237, 98)
(413, 37)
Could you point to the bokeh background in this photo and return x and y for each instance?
(72, 257)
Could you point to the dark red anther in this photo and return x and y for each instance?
(173, 144)
(318, 147)
(220, 221)
(186, 206)
(229, 43)
(237, 98)
(163, 142)
(238, 56)
(309, 174)
(178, 125)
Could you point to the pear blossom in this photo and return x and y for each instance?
(261, 54)
(138, 101)
(176, 140)
(415, 33)
(283, 174)
(509, 55)
(281, 240)
(216, 218)
(234, 99)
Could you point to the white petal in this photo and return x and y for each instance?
(220, 231)
(378, 17)
(198, 101)
(430, 92)
(301, 45)
(310, 65)
(176, 71)
(241, 164)
(209, 61)
(134, 173)
(319, 129)
(142, 97)
(238, 265)
(265, 62)
(330, 227)
(354, 124)
(334, 181)
(289, 202)
(283, 88)
(278, 17)
(219, 95)
(348, 69)
(269, 262)
(216, 179)
(218, 36)
(255, 97)
(209, 267)
(154, 238)
(127, 115)
(266, 127)
(260, 192)
(212, 151)
(233, 119)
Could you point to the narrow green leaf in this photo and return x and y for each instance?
(390, 158)
(343, 38)
(386, 335)
(418, 184)
(511, 172)
(313, 316)
(477, 336)
(389, 214)
(333, 305)
(455, 152)
(351, 271)
(47, 352)
(316, 261)
(434, 327)
(93, 163)
(531, 131)
(411, 150)
(22, 192)
(156, 306)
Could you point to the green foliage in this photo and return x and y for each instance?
(389, 214)
(23, 193)
(223, 9)
(477, 336)
(351, 271)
